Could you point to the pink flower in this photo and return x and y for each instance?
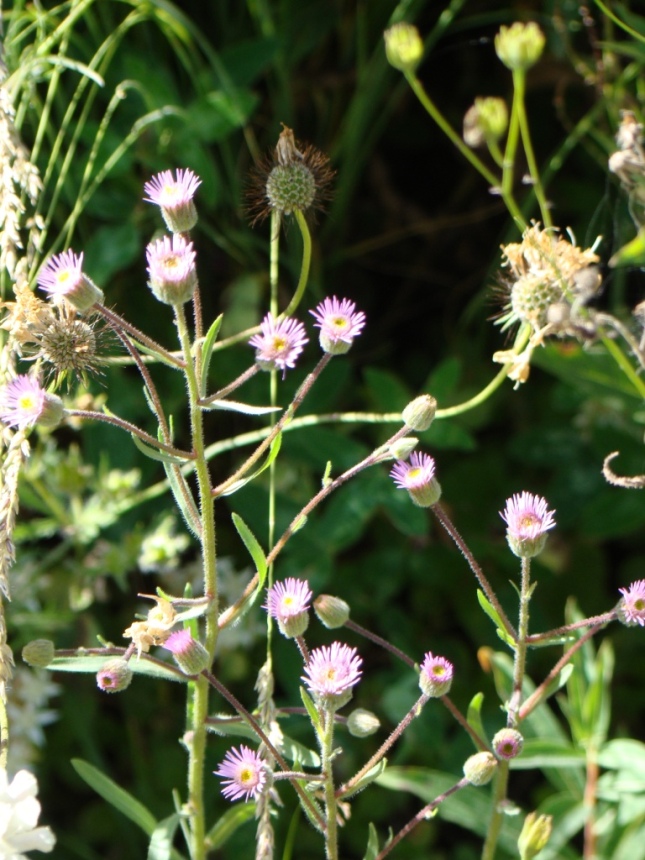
(332, 670)
(62, 277)
(436, 675)
(174, 196)
(171, 267)
(24, 402)
(508, 743)
(279, 343)
(339, 324)
(288, 602)
(243, 774)
(190, 655)
(528, 519)
(417, 477)
(631, 609)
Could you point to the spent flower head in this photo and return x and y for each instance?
(114, 676)
(24, 402)
(296, 177)
(417, 477)
(279, 343)
(528, 519)
(631, 608)
(436, 675)
(171, 267)
(243, 774)
(339, 323)
(288, 602)
(508, 743)
(331, 673)
(174, 196)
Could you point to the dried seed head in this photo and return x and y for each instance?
(295, 177)
(70, 346)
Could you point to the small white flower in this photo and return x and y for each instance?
(19, 811)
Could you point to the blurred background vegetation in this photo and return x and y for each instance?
(412, 236)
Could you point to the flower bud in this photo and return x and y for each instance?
(114, 676)
(39, 653)
(362, 723)
(190, 655)
(535, 835)
(519, 46)
(402, 448)
(480, 768)
(485, 121)
(508, 743)
(331, 611)
(403, 47)
(419, 413)
(435, 678)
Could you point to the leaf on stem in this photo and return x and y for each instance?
(228, 823)
(188, 511)
(371, 776)
(474, 717)
(207, 352)
(91, 663)
(243, 408)
(156, 453)
(493, 614)
(255, 550)
(160, 846)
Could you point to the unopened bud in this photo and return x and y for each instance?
(480, 768)
(508, 743)
(419, 413)
(38, 653)
(519, 46)
(535, 835)
(114, 676)
(485, 121)
(331, 611)
(362, 723)
(402, 448)
(403, 47)
(190, 655)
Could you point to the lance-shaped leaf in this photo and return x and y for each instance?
(273, 453)
(493, 614)
(474, 716)
(244, 408)
(157, 453)
(369, 777)
(228, 823)
(207, 352)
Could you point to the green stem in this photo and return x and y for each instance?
(199, 706)
(519, 84)
(305, 266)
(501, 783)
(327, 743)
(624, 364)
(477, 163)
(519, 663)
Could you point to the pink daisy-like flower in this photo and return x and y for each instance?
(171, 267)
(631, 609)
(24, 402)
(62, 277)
(279, 343)
(243, 774)
(339, 324)
(190, 655)
(436, 675)
(332, 670)
(174, 196)
(417, 477)
(288, 602)
(528, 519)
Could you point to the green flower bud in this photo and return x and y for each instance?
(402, 448)
(535, 835)
(480, 768)
(331, 611)
(39, 653)
(114, 676)
(403, 47)
(190, 655)
(519, 46)
(362, 723)
(486, 120)
(419, 413)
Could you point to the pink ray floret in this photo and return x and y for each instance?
(243, 774)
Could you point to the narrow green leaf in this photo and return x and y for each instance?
(160, 847)
(372, 843)
(228, 823)
(371, 776)
(474, 716)
(273, 453)
(207, 352)
(116, 796)
(255, 550)
(180, 499)
(156, 453)
(307, 701)
(93, 662)
(243, 408)
(493, 614)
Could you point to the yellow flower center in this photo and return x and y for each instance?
(26, 402)
(246, 775)
(279, 343)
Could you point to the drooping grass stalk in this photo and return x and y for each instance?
(199, 704)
